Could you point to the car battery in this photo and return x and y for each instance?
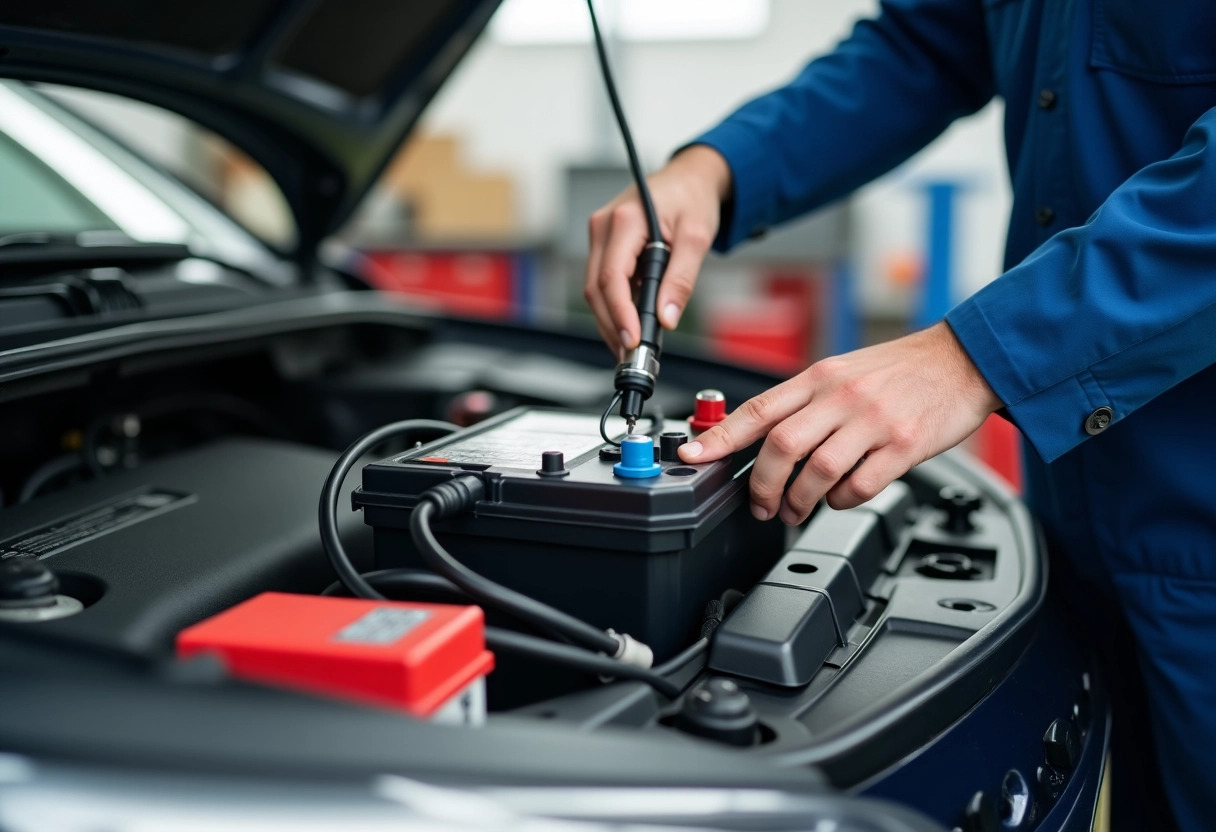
(429, 660)
(638, 544)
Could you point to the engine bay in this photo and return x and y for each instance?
(848, 645)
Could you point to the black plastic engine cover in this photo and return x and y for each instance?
(155, 549)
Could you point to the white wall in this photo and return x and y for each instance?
(532, 110)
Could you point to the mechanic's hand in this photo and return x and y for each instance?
(688, 194)
(860, 420)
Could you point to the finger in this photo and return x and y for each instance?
(688, 249)
(880, 469)
(827, 465)
(788, 442)
(603, 322)
(597, 235)
(626, 239)
(750, 421)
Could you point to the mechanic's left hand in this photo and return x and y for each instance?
(863, 418)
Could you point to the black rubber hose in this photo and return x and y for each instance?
(567, 656)
(486, 591)
(332, 491)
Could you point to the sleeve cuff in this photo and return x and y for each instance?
(753, 181)
(1052, 419)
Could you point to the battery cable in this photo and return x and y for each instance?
(616, 655)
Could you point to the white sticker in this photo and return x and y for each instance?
(383, 625)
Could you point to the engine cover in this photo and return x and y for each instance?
(155, 549)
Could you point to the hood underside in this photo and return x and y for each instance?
(319, 92)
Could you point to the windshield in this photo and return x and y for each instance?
(206, 163)
(61, 177)
(38, 199)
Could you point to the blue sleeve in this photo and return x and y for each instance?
(1111, 313)
(888, 90)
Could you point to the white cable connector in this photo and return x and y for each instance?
(631, 651)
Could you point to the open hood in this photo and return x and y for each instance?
(319, 92)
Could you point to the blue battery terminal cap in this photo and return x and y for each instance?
(637, 459)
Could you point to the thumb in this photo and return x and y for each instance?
(688, 250)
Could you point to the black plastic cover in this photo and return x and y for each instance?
(828, 574)
(857, 536)
(777, 634)
(163, 546)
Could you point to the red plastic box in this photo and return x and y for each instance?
(427, 659)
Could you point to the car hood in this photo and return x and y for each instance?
(320, 93)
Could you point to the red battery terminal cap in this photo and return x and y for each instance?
(429, 660)
(709, 410)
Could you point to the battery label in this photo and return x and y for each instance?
(383, 625)
(520, 442)
(92, 523)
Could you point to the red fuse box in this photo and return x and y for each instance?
(427, 659)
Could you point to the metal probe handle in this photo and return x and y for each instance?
(637, 373)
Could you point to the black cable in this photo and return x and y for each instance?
(413, 580)
(451, 497)
(604, 421)
(692, 651)
(729, 600)
(407, 580)
(331, 493)
(657, 421)
(406, 584)
(568, 656)
(436, 500)
(652, 216)
(509, 641)
(715, 612)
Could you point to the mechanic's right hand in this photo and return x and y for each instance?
(688, 195)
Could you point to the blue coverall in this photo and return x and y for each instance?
(1108, 301)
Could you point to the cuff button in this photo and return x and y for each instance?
(1099, 420)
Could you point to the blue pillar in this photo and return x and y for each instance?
(524, 275)
(845, 320)
(936, 291)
